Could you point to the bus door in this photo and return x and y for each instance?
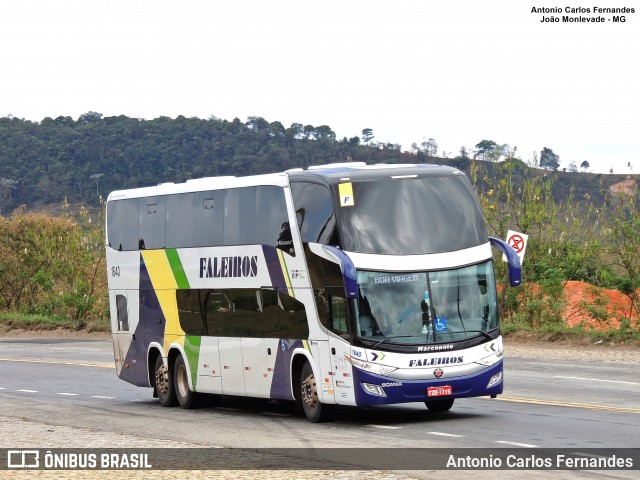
(340, 350)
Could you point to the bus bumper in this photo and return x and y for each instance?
(373, 389)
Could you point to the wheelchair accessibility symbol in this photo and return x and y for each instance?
(441, 324)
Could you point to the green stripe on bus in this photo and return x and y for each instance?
(192, 350)
(176, 266)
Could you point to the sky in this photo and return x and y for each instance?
(457, 71)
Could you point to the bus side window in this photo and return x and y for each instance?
(122, 224)
(314, 213)
(152, 223)
(123, 314)
(338, 317)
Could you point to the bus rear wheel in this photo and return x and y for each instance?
(314, 410)
(186, 397)
(436, 406)
(164, 384)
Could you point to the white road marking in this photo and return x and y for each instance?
(597, 380)
(442, 434)
(516, 444)
(101, 396)
(68, 394)
(27, 391)
(387, 427)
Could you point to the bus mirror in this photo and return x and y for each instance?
(348, 269)
(513, 261)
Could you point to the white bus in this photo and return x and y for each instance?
(382, 292)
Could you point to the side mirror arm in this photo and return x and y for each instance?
(513, 261)
(348, 270)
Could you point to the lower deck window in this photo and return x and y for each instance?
(264, 313)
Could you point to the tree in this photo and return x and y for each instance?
(549, 160)
(6, 185)
(572, 166)
(367, 135)
(430, 147)
(463, 154)
(484, 148)
(584, 166)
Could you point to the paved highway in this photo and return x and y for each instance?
(547, 403)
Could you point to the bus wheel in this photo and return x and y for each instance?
(313, 408)
(164, 384)
(186, 398)
(436, 406)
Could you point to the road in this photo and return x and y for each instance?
(546, 403)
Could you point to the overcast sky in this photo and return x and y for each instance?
(457, 71)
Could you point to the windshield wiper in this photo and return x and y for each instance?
(481, 332)
(392, 336)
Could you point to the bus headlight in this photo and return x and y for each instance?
(371, 367)
(491, 359)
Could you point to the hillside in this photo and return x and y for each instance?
(42, 163)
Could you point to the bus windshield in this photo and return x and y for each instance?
(412, 216)
(426, 307)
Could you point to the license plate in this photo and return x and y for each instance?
(439, 391)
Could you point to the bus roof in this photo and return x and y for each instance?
(358, 171)
(329, 173)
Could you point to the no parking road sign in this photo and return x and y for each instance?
(517, 241)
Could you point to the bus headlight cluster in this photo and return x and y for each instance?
(496, 379)
(491, 359)
(374, 389)
(371, 367)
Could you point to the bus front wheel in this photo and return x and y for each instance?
(314, 410)
(164, 384)
(436, 406)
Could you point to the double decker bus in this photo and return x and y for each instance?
(341, 284)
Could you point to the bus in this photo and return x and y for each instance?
(340, 284)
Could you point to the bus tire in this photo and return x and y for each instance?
(164, 384)
(437, 406)
(314, 410)
(186, 398)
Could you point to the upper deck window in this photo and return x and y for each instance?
(410, 216)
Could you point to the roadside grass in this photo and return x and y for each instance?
(12, 321)
(555, 332)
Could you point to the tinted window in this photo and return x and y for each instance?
(412, 216)
(208, 218)
(122, 224)
(264, 313)
(151, 211)
(272, 220)
(122, 313)
(315, 213)
(180, 220)
(240, 216)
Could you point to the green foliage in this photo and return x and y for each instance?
(84, 159)
(568, 240)
(53, 266)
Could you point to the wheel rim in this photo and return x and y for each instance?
(182, 381)
(162, 380)
(309, 391)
